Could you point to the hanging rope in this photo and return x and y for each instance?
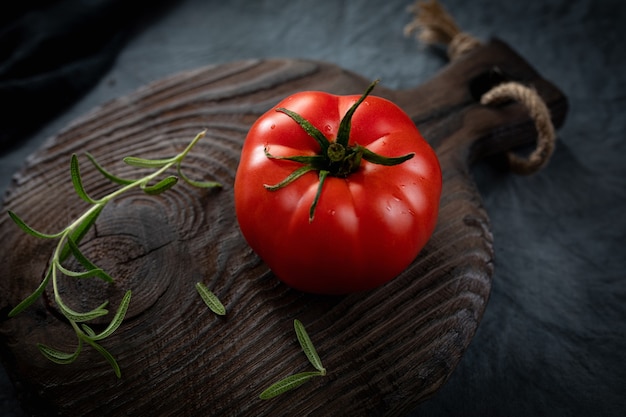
(432, 25)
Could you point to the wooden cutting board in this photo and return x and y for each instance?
(385, 350)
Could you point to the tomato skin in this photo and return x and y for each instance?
(368, 227)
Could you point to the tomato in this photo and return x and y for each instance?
(336, 194)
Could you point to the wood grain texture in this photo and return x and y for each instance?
(386, 350)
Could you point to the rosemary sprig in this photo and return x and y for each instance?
(293, 381)
(68, 244)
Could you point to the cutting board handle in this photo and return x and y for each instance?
(448, 108)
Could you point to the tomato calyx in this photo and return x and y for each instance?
(336, 158)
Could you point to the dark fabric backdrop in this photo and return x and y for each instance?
(553, 338)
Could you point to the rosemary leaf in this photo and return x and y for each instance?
(107, 356)
(77, 181)
(199, 184)
(80, 317)
(82, 259)
(146, 163)
(81, 230)
(307, 346)
(97, 272)
(210, 299)
(30, 230)
(117, 319)
(31, 298)
(88, 331)
(58, 356)
(106, 174)
(102, 306)
(287, 384)
(161, 186)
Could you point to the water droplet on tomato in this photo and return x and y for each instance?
(331, 212)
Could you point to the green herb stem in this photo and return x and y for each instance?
(70, 237)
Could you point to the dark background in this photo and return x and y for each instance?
(553, 338)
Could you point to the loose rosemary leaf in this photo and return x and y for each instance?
(287, 384)
(210, 299)
(77, 181)
(307, 346)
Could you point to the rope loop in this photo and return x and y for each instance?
(434, 25)
(540, 114)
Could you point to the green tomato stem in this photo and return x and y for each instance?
(337, 159)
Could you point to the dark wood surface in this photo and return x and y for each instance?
(385, 350)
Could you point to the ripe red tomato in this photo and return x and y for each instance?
(336, 194)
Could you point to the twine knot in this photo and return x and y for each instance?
(434, 25)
